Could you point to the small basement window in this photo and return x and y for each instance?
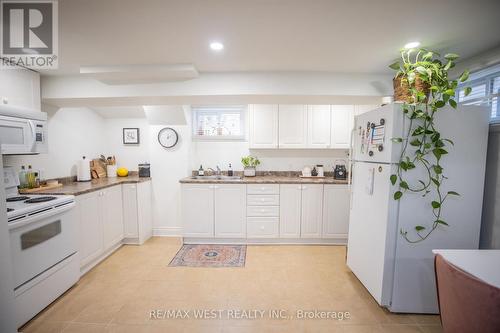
(214, 122)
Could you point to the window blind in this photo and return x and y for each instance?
(485, 87)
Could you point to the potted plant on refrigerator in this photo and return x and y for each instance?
(250, 164)
(422, 83)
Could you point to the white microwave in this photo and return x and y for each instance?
(22, 133)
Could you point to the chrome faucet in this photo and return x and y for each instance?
(218, 172)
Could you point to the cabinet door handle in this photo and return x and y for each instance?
(299, 187)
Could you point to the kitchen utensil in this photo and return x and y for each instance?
(99, 166)
(111, 170)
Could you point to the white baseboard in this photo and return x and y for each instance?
(168, 231)
(266, 241)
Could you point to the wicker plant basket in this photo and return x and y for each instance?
(402, 90)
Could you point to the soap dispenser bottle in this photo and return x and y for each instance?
(201, 172)
(22, 177)
(230, 171)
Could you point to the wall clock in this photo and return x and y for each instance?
(168, 137)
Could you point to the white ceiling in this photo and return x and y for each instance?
(350, 36)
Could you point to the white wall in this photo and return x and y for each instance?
(170, 165)
(128, 156)
(72, 133)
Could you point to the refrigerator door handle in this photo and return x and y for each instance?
(349, 167)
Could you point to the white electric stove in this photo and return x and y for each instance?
(43, 233)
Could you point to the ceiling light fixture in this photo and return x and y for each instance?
(216, 46)
(412, 45)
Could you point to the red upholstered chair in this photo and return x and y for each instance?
(466, 303)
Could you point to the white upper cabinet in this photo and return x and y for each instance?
(292, 126)
(20, 88)
(318, 126)
(263, 126)
(311, 211)
(341, 125)
(298, 126)
(230, 210)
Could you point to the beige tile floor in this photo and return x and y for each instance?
(119, 294)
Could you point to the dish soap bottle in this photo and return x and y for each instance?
(230, 171)
(22, 177)
(201, 172)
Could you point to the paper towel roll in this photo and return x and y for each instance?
(83, 173)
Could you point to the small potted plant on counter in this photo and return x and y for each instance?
(250, 164)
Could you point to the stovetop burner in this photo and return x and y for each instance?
(18, 198)
(40, 199)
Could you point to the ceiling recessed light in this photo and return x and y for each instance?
(412, 45)
(216, 46)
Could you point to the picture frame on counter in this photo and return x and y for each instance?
(131, 136)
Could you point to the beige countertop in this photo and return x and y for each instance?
(268, 179)
(78, 188)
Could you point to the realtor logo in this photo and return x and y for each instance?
(29, 34)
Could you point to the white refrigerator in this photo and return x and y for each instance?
(400, 275)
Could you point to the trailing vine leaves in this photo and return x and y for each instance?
(423, 147)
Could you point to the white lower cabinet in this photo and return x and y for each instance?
(230, 211)
(262, 227)
(290, 207)
(214, 210)
(101, 223)
(311, 211)
(90, 226)
(106, 217)
(198, 210)
(336, 211)
(112, 213)
(137, 212)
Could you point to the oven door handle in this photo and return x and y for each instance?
(42, 215)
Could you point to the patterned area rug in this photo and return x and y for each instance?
(210, 256)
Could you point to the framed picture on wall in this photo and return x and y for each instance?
(131, 136)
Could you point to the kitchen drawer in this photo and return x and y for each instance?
(263, 200)
(263, 189)
(263, 211)
(262, 227)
